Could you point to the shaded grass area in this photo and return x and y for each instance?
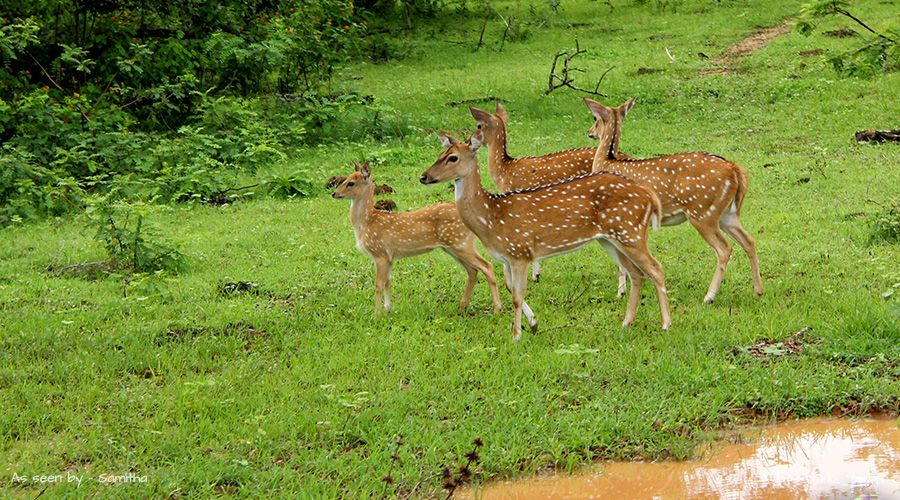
(297, 389)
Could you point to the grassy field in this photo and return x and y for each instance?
(299, 390)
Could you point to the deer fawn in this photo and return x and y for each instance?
(510, 174)
(388, 236)
(705, 189)
(520, 227)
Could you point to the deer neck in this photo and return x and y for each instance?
(472, 202)
(608, 149)
(498, 156)
(362, 209)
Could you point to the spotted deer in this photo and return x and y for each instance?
(388, 236)
(520, 227)
(510, 174)
(702, 188)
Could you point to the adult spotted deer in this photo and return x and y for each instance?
(520, 227)
(388, 236)
(702, 188)
(510, 174)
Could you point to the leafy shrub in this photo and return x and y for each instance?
(180, 102)
(879, 53)
(131, 242)
(885, 226)
(290, 185)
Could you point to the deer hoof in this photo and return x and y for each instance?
(709, 299)
(534, 327)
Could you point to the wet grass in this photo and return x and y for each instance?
(294, 388)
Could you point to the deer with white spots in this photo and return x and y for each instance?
(388, 236)
(510, 174)
(519, 227)
(702, 188)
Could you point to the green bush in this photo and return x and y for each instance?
(884, 226)
(176, 102)
(879, 53)
(131, 242)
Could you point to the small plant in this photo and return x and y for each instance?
(290, 185)
(452, 479)
(885, 227)
(132, 244)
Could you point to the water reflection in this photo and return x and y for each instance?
(822, 458)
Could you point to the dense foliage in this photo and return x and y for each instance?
(879, 52)
(175, 101)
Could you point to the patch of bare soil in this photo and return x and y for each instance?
(755, 41)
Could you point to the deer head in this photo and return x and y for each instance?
(607, 117)
(458, 160)
(490, 124)
(356, 185)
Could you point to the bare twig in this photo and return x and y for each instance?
(481, 37)
(859, 22)
(565, 78)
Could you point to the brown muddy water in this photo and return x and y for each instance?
(819, 458)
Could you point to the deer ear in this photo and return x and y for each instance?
(501, 112)
(595, 107)
(476, 140)
(446, 139)
(363, 169)
(627, 106)
(479, 115)
(599, 111)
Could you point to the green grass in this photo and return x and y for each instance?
(300, 391)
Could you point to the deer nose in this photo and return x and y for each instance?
(334, 195)
(424, 179)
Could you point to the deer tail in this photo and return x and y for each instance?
(655, 210)
(743, 182)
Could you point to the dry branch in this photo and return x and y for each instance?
(565, 76)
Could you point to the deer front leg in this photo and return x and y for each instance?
(519, 281)
(382, 275)
(387, 288)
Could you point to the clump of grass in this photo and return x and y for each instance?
(885, 227)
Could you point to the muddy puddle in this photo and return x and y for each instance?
(819, 458)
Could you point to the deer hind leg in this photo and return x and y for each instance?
(468, 257)
(488, 271)
(518, 279)
(382, 285)
(623, 282)
(626, 267)
(641, 257)
(732, 226)
(710, 232)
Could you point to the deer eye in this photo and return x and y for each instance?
(453, 159)
(351, 184)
